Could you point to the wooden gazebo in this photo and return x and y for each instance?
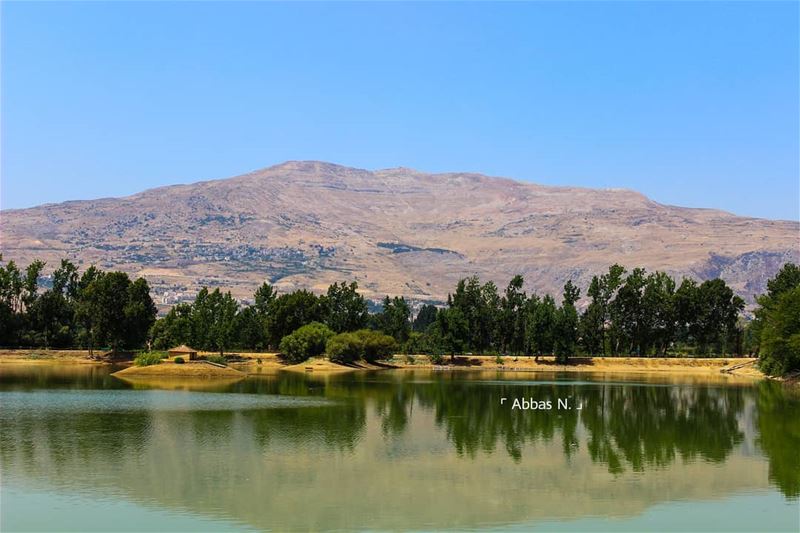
(183, 351)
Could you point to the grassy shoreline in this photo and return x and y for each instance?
(258, 362)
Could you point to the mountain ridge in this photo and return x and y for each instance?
(310, 223)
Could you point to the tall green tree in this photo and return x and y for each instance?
(345, 308)
(140, 313)
(540, 328)
(778, 323)
(451, 330)
(511, 319)
(425, 317)
(479, 305)
(658, 300)
(566, 324)
(291, 311)
(264, 297)
(222, 331)
(395, 318)
(119, 312)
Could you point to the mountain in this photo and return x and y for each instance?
(395, 231)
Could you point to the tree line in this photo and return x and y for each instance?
(634, 312)
(91, 309)
(628, 313)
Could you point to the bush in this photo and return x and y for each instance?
(436, 359)
(147, 359)
(179, 360)
(219, 359)
(376, 345)
(410, 359)
(499, 360)
(307, 341)
(344, 348)
(363, 344)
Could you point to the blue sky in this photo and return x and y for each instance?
(693, 104)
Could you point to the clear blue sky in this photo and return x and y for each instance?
(693, 104)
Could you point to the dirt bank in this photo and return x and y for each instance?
(591, 364)
(192, 369)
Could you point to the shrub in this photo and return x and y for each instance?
(499, 360)
(307, 341)
(363, 344)
(376, 345)
(410, 359)
(344, 348)
(179, 360)
(147, 359)
(436, 359)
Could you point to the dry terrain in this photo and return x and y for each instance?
(396, 231)
(264, 363)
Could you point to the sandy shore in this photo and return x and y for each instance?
(192, 369)
(596, 364)
(266, 362)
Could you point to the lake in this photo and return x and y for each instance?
(396, 450)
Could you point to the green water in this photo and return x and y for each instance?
(395, 450)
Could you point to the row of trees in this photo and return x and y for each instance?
(627, 312)
(92, 309)
(636, 313)
(215, 322)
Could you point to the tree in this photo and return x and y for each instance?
(627, 312)
(566, 325)
(223, 317)
(452, 330)
(787, 278)
(307, 341)
(511, 321)
(717, 311)
(780, 337)
(394, 318)
(140, 313)
(264, 297)
(658, 301)
(777, 323)
(104, 301)
(174, 329)
(250, 329)
(479, 305)
(289, 312)
(31, 283)
(50, 320)
(541, 326)
(346, 310)
(425, 317)
(86, 311)
(66, 281)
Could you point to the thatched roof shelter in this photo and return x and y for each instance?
(183, 350)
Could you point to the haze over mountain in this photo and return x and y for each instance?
(395, 231)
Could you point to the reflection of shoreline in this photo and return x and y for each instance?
(433, 442)
(270, 486)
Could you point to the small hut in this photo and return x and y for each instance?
(183, 351)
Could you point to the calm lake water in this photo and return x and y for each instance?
(395, 450)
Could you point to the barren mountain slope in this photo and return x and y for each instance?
(395, 231)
